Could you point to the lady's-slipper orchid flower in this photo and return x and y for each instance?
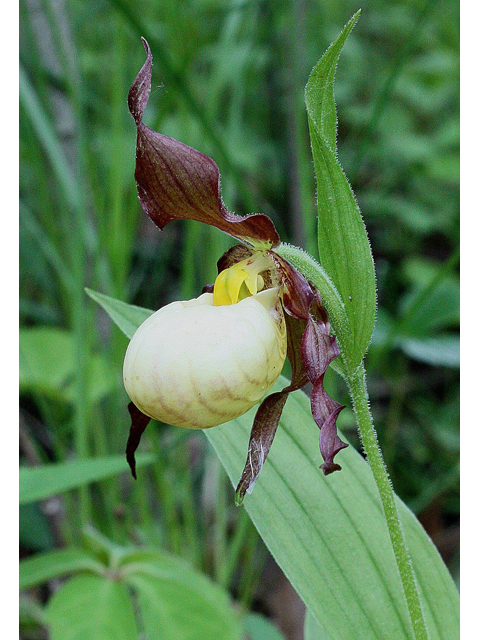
(200, 363)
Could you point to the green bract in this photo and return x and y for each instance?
(343, 245)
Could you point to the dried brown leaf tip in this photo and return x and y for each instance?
(203, 362)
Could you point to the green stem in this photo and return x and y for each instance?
(359, 395)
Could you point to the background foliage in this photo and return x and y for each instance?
(228, 80)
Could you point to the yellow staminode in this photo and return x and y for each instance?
(241, 280)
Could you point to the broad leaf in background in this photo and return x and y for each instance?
(55, 564)
(343, 245)
(173, 599)
(47, 364)
(38, 483)
(328, 534)
(176, 601)
(92, 607)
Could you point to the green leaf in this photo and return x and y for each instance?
(55, 564)
(311, 629)
(38, 483)
(344, 248)
(328, 534)
(47, 364)
(127, 317)
(258, 627)
(91, 607)
(178, 602)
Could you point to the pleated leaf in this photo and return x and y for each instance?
(329, 536)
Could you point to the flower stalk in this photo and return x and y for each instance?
(359, 394)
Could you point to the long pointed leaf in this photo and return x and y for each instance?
(127, 317)
(38, 483)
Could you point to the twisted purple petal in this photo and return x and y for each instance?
(318, 350)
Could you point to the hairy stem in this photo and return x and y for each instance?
(359, 395)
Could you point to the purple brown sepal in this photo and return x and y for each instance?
(177, 182)
(325, 412)
(261, 438)
(139, 424)
(319, 348)
(270, 411)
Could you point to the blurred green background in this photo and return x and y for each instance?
(228, 79)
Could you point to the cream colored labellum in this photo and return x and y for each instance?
(197, 365)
